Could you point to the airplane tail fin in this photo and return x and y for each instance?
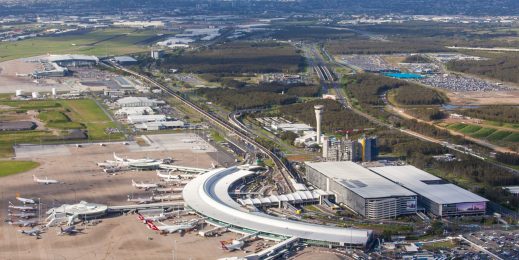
(133, 183)
(10, 203)
(140, 217)
(34, 177)
(224, 247)
(152, 226)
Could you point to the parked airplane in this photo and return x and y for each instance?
(167, 176)
(145, 186)
(155, 218)
(32, 232)
(23, 223)
(25, 201)
(142, 200)
(22, 215)
(68, 231)
(232, 245)
(169, 229)
(21, 208)
(44, 181)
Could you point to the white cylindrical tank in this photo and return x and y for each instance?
(53, 92)
(19, 92)
(35, 95)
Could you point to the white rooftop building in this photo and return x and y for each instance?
(136, 119)
(361, 190)
(138, 102)
(126, 111)
(435, 194)
(155, 126)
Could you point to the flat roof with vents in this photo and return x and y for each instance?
(360, 180)
(427, 185)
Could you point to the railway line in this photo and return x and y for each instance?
(235, 129)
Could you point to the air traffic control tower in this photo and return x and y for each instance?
(318, 115)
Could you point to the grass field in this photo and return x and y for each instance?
(439, 245)
(99, 42)
(483, 132)
(13, 167)
(469, 129)
(60, 116)
(498, 136)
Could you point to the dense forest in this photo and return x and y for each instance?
(367, 88)
(237, 58)
(428, 113)
(508, 158)
(335, 117)
(258, 96)
(504, 68)
(505, 114)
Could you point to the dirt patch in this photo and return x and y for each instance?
(484, 98)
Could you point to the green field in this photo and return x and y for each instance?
(60, 116)
(483, 132)
(457, 127)
(470, 129)
(99, 42)
(13, 167)
(499, 135)
(512, 138)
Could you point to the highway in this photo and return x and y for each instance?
(238, 131)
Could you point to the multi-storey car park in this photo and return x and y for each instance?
(362, 191)
(208, 194)
(435, 194)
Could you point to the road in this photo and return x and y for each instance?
(244, 135)
(346, 104)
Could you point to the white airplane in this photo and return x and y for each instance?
(23, 223)
(167, 176)
(25, 201)
(23, 215)
(32, 232)
(145, 186)
(232, 245)
(21, 208)
(44, 181)
(169, 229)
(142, 200)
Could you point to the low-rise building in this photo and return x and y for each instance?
(138, 102)
(435, 195)
(136, 119)
(361, 190)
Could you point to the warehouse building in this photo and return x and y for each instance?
(138, 102)
(436, 195)
(361, 190)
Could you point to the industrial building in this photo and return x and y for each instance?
(136, 119)
(138, 102)
(162, 125)
(125, 60)
(435, 194)
(361, 190)
(369, 148)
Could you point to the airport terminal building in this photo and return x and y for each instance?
(435, 194)
(361, 190)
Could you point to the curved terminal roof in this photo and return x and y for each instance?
(81, 208)
(208, 194)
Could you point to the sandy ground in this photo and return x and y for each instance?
(114, 238)
(484, 98)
